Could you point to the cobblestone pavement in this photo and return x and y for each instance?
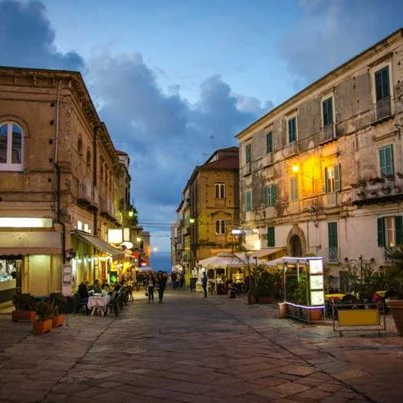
(191, 349)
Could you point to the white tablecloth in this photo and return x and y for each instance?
(98, 302)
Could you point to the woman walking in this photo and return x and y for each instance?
(162, 284)
(150, 287)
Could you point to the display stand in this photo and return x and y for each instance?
(303, 279)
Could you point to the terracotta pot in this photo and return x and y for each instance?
(42, 326)
(20, 316)
(57, 320)
(396, 309)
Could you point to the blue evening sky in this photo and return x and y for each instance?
(174, 80)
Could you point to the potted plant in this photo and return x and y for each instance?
(43, 323)
(395, 292)
(59, 307)
(25, 306)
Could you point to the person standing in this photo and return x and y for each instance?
(150, 287)
(204, 284)
(162, 284)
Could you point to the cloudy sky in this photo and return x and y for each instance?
(174, 80)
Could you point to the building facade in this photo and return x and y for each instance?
(209, 210)
(322, 173)
(63, 185)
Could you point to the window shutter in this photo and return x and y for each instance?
(326, 180)
(270, 236)
(337, 178)
(399, 229)
(332, 234)
(273, 195)
(381, 232)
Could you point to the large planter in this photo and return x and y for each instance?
(21, 316)
(251, 299)
(396, 309)
(57, 321)
(42, 326)
(264, 300)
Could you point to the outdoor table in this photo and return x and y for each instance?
(98, 303)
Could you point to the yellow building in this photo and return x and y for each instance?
(209, 210)
(321, 174)
(63, 185)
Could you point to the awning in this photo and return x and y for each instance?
(101, 245)
(30, 243)
(266, 252)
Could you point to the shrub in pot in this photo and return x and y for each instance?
(45, 314)
(25, 307)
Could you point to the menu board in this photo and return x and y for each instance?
(317, 297)
(315, 266)
(316, 282)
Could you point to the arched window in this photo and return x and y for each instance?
(11, 147)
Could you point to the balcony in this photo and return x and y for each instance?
(267, 160)
(328, 133)
(383, 109)
(331, 254)
(290, 150)
(377, 190)
(247, 169)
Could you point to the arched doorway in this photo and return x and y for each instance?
(296, 242)
(296, 246)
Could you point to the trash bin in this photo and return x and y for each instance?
(282, 310)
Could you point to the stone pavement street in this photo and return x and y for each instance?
(191, 349)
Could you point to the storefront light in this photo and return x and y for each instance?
(25, 222)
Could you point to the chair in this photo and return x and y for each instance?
(114, 303)
(80, 304)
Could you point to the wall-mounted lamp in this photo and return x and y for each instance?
(295, 168)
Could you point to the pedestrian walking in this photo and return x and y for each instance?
(162, 284)
(150, 287)
(204, 283)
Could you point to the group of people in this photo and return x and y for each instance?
(156, 281)
(85, 289)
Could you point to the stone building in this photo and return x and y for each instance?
(209, 210)
(321, 174)
(63, 185)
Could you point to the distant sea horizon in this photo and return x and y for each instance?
(161, 261)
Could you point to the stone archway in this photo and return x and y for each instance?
(296, 242)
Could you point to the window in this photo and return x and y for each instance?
(382, 92)
(327, 110)
(11, 147)
(88, 157)
(294, 188)
(269, 142)
(332, 179)
(390, 231)
(219, 190)
(248, 201)
(220, 227)
(386, 160)
(292, 130)
(333, 241)
(270, 237)
(248, 153)
(80, 145)
(269, 195)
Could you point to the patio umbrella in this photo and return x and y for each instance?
(224, 260)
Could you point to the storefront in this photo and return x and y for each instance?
(30, 262)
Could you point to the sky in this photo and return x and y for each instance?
(175, 80)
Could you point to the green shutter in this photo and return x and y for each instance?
(332, 234)
(337, 178)
(273, 195)
(381, 232)
(399, 230)
(270, 237)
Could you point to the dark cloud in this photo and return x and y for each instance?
(164, 134)
(26, 38)
(322, 39)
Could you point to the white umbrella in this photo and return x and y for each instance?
(223, 259)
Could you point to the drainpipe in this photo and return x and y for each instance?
(58, 175)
